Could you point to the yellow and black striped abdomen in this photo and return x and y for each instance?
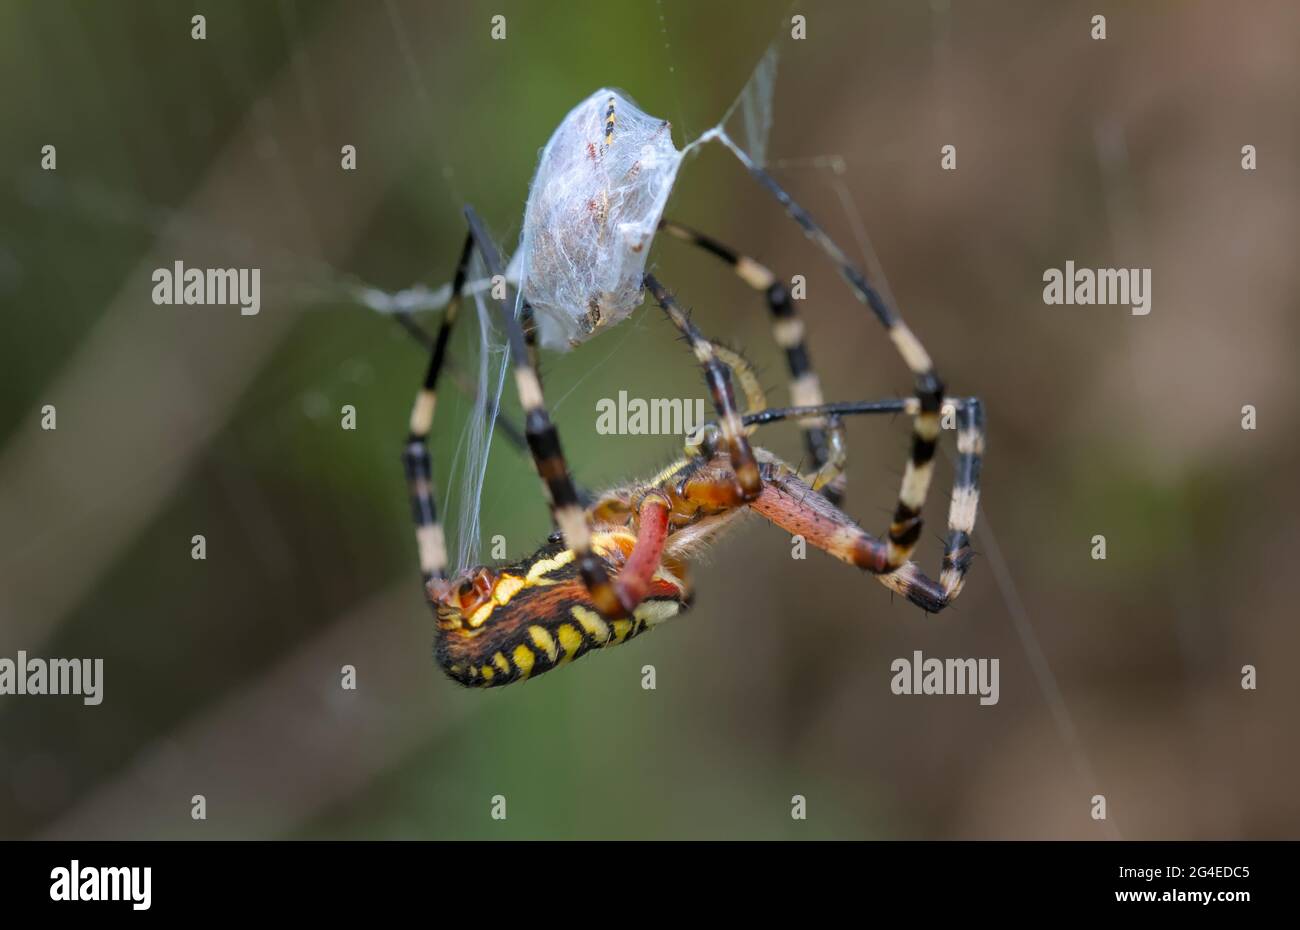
(540, 618)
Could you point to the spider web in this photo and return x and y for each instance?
(469, 463)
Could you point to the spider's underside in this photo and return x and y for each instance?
(621, 565)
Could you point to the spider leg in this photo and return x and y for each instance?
(634, 579)
(544, 443)
(429, 538)
(787, 501)
(957, 553)
(788, 330)
(508, 428)
(908, 405)
(528, 319)
(905, 529)
(825, 475)
(718, 376)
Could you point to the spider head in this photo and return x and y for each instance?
(458, 599)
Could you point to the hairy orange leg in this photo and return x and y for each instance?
(799, 510)
(633, 581)
(790, 503)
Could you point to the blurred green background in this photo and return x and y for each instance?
(1118, 677)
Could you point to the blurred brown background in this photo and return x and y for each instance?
(1118, 677)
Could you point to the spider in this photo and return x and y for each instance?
(618, 563)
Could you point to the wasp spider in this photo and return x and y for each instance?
(618, 563)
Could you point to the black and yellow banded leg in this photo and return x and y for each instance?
(508, 428)
(788, 330)
(544, 443)
(962, 509)
(905, 529)
(823, 477)
(416, 460)
(718, 377)
(746, 377)
(908, 580)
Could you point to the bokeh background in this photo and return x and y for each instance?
(1118, 677)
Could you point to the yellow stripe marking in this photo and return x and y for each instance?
(479, 617)
(524, 660)
(544, 641)
(507, 586)
(621, 629)
(502, 663)
(570, 640)
(546, 566)
(592, 622)
(654, 612)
